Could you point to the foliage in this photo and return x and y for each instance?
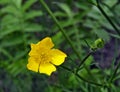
(25, 21)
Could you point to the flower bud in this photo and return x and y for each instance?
(99, 43)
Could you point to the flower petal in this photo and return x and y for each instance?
(34, 50)
(47, 68)
(32, 45)
(58, 56)
(46, 42)
(32, 64)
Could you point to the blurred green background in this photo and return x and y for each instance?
(26, 21)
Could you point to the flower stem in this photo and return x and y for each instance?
(114, 73)
(80, 77)
(85, 58)
(107, 17)
(60, 27)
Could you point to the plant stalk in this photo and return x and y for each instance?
(114, 73)
(60, 27)
(85, 58)
(107, 17)
(80, 77)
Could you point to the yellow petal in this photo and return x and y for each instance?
(34, 49)
(58, 57)
(46, 43)
(47, 68)
(32, 64)
(32, 45)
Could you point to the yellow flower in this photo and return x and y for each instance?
(43, 57)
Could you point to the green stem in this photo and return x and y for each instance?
(60, 27)
(85, 58)
(113, 12)
(80, 77)
(114, 73)
(106, 16)
(87, 44)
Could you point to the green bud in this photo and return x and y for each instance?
(93, 47)
(99, 43)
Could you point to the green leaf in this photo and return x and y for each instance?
(32, 14)
(95, 71)
(110, 2)
(11, 10)
(2, 2)
(17, 3)
(93, 2)
(83, 73)
(10, 29)
(9, 19)
(57, 39)
(66, 23)
(73, 82)
(89, 61)
(12, 41)
(81, 6)
(115, 35)
(17, 67)
(102, 34)
(6, 53)
(20, 55)
(33, 28)
(28, 4)
(60, 14)
(67, 9)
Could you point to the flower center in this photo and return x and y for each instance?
(44, 58)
